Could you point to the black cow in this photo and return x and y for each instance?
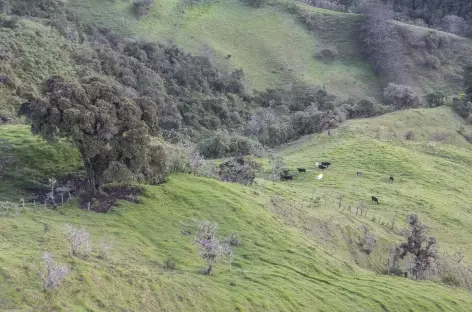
(375, 200)
(359, 173)
(286, 177)
(391, 179)
(326, 164)
(301, 169)
(322, 167)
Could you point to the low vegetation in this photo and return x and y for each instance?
(129, 127)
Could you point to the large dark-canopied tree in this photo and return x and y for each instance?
(106, 126)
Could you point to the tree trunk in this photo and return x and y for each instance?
(94, 181)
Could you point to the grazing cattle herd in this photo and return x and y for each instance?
(284, 176)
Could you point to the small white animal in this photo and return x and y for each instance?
(319, 177)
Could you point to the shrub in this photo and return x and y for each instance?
(53, 273)
(363, 109)
(328, 55)
(401, 96)
(170, 263)
(432, 61)
(462, 107)
(277, 167)
(211, 248)
(105, 246)
(435, 99)
(326, 4)
(368, 241)
(410, 136)
(6, 154)
(465, 135)
(257, 3)
(239, 170)
(234, 239)
(222, 144)
(79, 240)
(420, 246)
(141, 7)
(440, 137)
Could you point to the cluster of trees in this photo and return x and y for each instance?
(454, 16)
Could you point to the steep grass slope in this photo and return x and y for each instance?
(432, 174)
(269, 43)
(275, 46)
(294, 257)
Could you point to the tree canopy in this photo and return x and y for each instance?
(107, 127)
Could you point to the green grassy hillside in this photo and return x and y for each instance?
(295, 256)
(270, 44)
(275, 47)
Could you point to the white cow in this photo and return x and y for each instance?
(319, 177)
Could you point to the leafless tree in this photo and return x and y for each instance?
(369, 241)
(79, 240)
(105, 246)
(211, 248)
(52, 274)
(420, 246)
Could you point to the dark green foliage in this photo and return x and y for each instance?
(435, 99)
(222, 144)
(401, 96)
(239, 170)
(462, 107)
(286, 114)
(9, 21)
(363, 109)
(141, 7)
(6, 154)
(463, 103)
(410, 136)
(453, 16)
(257, 3)
(106, 126)
(468, 79)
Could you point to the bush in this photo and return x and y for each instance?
(368, 241)
(222, 144)
(328, 55)
(257, 3)
(401, 96)
(105, 246)
(170, 264)
(239, 170)
(410, 136)
(435, 99)
(53, 273)
(234, 239)
(211, 248)
(79, 240)
(363, 109)
(420, 246)
(141, 7)
(462, 107)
